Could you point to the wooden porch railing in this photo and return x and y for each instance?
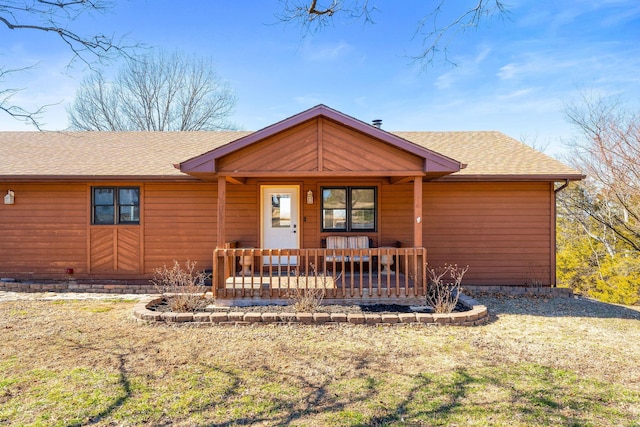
(341, 273)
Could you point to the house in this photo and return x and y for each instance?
(260, 207)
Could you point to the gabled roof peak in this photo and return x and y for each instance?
(197, 164)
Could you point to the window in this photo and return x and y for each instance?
(115, 205)
(349, 209)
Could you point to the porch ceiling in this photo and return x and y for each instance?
(321, 142)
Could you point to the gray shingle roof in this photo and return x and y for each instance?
(58, 155)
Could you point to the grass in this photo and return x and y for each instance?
(557, 362)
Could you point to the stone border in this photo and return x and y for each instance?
(72, 286)
(143, 287)
(478, 315)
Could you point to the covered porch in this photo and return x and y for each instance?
(337, 177)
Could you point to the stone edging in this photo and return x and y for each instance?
(478, 315)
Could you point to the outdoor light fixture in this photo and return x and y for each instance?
(9, 198)
(309, 197)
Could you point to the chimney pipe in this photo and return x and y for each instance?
(377, 123)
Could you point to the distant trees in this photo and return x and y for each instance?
(435, 31)
(156, 92)
(599, 225)
(54, 17)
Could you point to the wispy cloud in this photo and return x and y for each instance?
(307, 101)
(327, 52)
(465, 67)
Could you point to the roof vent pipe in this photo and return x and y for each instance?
(377, 123)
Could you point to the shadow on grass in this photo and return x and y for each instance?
(126, 387)
(316, 399)
(123, 382)
(363, 393)
(528, 394)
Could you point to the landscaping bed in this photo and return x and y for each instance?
(468, 313)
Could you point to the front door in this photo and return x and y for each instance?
(280, 221)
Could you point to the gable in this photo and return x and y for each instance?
(320, 145)
(320, 142)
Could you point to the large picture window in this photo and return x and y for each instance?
(115, 205)
(349, 209)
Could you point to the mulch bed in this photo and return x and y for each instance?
(325, 308)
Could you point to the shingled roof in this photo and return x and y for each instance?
(492, 155)
(153, 155)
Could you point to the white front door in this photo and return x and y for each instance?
(280, 220)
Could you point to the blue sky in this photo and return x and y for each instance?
(514, 75)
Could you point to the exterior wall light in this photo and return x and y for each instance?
(9, 199)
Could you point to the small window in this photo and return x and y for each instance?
(115, 205)
(349, 209)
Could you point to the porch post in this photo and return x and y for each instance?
(219, 279)
(417, 211)
(417, 233)
(222, 197)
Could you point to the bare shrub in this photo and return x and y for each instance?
(309, 292)
(444, 287)
(306, 300)
(181, 287)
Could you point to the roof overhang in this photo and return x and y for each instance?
(512, 178)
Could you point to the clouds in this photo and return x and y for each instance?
(464, 68)
(326, 52)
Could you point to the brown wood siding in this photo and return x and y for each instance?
(396, 213)
(243, 204)
(44, 232)
(179, 224)
(115, 249)
(503, 231)
(320, 145)
(293, 150)
(348, 150)
(311, 215)
(102, 249)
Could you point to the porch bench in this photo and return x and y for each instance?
(347, 242)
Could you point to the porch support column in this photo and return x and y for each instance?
(417, 211)
(417, 234)
(219, 262)
(222, 198)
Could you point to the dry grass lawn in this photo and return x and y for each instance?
(554, 362)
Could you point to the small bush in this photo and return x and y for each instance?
(182, 288)
(308, 297)
(444, 287)
(306, 300)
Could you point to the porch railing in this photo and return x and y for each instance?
(340, 273)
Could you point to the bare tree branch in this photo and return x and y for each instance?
(15, 111)
(437, 35)
(312, 15)
(156, 92)
(56, 17)
(609, 153)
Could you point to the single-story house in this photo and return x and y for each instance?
(317, 194)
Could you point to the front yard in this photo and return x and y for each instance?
(538, 362)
